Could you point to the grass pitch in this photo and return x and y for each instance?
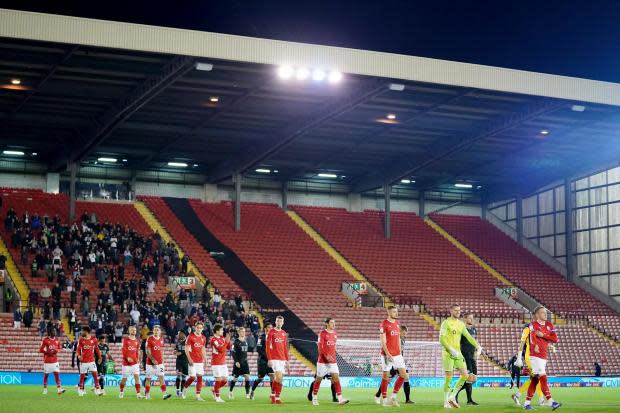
(29, 399)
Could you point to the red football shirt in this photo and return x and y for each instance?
(156, 347)
(86, 349)
(219, 345)
(392, 336)
(196, 343)
(539, 345)
(327, 347)
(50, 348)
(277, 345)
(130, 348)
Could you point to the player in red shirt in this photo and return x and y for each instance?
(130, 350)
(277, 356)
(391, 356)
(50, 346)
(196, 356)
(542, 332)
(219, 346)
(155, 362)
(87, 348)
(327, 364)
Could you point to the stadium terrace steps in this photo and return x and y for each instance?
(186, 241)
(432, 270)
(244, 276)
(528, 272)
(19, 351)
(156, 226)
(15, 274)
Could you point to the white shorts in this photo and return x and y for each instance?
(129, 371)
(398, 362)
(539, 366)
(51, 368)
(156, 370)
(86, 368)
(323, 369)
(219, 370)
(278, 365)
(198, 369)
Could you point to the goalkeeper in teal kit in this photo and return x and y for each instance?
(450, 334)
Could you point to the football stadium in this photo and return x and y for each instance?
(194, 220)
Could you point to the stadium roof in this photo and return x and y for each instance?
(89, 89)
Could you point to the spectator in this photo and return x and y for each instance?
(42, 327)
(8, 299)
(135, 316)
(2, 259)
(17, 318)
(45, 293)
(597, 369)
(28, 317)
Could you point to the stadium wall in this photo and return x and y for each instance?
(596, 225)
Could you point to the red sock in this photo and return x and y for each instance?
(147, 386)
(315, 387)
(278, 388)
(384, 386)
(544, 386)
(163, 387)
(122, 387)
(198, 385)
(223, 383)
(532, 389)
(82, 377)
(189, 381)
(138, 387)
(273, 386)
(45, 380)
(216, 387)
(57, 378)
(338, 388)
(397, 385)
(95, 378)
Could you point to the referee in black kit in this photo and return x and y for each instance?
(469, 353)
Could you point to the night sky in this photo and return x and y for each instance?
(574, 38)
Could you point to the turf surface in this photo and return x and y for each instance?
(16, 399)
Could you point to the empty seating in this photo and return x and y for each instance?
(416, 260)
(528, 272)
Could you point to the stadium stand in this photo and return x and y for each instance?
(301, 273)
(415, 256)
(36, 202)
(528, 272)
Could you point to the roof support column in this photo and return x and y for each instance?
(73, 169)
(422, 204)
(387, 230)
(285, 195)
(519, 212)
(568, 226)
(237, 209)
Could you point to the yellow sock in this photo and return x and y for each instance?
(524, 386)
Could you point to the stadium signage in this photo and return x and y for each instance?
(113, 380)
(187, 283)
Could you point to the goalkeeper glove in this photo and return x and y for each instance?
(519, 362)
(453, 352)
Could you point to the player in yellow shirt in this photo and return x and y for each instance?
(450, 333)
(524, 355)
